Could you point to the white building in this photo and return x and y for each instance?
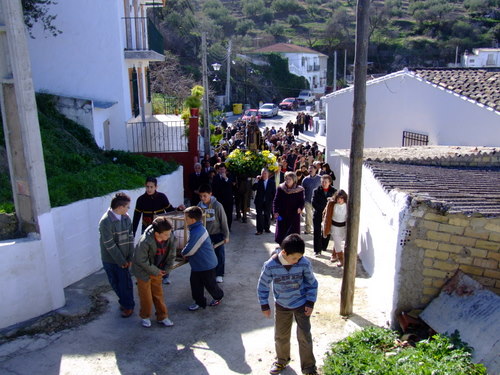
(481, 58)
(459, 107)
(98, 65)
(303, 62)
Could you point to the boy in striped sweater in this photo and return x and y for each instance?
(295, 290)
(201, 256)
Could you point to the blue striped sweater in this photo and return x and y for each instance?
(291, 288)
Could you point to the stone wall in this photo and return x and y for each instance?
(446, 243)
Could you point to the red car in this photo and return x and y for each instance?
(247, 116)
(289, 103)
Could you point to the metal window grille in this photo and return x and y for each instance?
(157, 136)
(414, 139)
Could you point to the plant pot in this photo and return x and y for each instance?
(194, 112)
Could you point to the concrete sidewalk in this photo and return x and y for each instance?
(233, 338)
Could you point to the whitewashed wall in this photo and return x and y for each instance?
(87, 59)
(401, 101)
(34, 270)
(383, 217)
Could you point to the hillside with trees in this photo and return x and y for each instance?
(403, 33)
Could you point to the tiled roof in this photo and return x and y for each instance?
(286, 48)
(452, 190)
(481, 85)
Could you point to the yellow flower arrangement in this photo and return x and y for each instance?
(250, 163)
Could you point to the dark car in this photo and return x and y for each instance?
(289, 103)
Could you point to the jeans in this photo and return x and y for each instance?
(308, 216)
(121, 282)
(220, 253)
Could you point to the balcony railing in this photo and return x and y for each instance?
(313, 68)
(142, 35)
(157, 136)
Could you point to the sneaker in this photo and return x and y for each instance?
(166, 281)
(219, 279)
(127, 312)
(166, 322)
(146, 323)
(193, 307)
(215, 302)
(317, 255)
(276, 368)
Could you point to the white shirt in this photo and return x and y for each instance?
(339, 213)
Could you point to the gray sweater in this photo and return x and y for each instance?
(216, 220)
(116, 239)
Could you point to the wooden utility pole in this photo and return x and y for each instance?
(206, 115)
(228, 73)
(356, 157)
(20, 120)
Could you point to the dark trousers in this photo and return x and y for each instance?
(228, 209)
(121, 282)
(320, 243)
(282, 332)
(263, 212)
(201, 280)
(220, 253)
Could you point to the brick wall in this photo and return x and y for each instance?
(451, 242)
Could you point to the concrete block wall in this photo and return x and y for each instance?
(451, 242)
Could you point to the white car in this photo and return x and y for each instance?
(306, 97)
(268, 110)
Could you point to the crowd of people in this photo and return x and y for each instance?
(301, 188)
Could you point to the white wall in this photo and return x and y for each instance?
(34, 270)
(382, 218)
(401, 102)
(87, 59)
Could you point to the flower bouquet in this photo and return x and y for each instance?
(250, 163)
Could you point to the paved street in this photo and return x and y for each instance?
(233, 338)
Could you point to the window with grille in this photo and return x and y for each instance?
(415, 139)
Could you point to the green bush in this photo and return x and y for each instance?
(376, 351)
(75, 166)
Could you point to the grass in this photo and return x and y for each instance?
(76, 167)
(377, 351)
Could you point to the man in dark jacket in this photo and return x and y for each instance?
(265, 191)
(196, 179)
(222, 188)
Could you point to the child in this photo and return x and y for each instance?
(334, 222)
(200, 253)
(117, 246)
(154, 253)
(217, 227)
(295, 289)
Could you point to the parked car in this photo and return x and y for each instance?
(289, 103)
(306, 97)
(247, 116)
(268, 110)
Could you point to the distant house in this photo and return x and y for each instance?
(482, 58)
(303, 62)
(423, 106)
(426, 212)
(99, 65)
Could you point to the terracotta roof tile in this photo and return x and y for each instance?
(482, 85)
(453, 190)
(286, 48)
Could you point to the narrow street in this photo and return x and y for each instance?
(233, 338)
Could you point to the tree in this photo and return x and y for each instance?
(168, 79)
(38, 11)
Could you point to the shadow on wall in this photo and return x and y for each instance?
(367, 253)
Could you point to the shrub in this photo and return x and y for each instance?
(293, 20)
(376, 350)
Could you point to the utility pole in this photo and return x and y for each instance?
(228, 77)
(20, 120)
(345, 66)
(335, 71)
(356, 157)
(206, 115)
